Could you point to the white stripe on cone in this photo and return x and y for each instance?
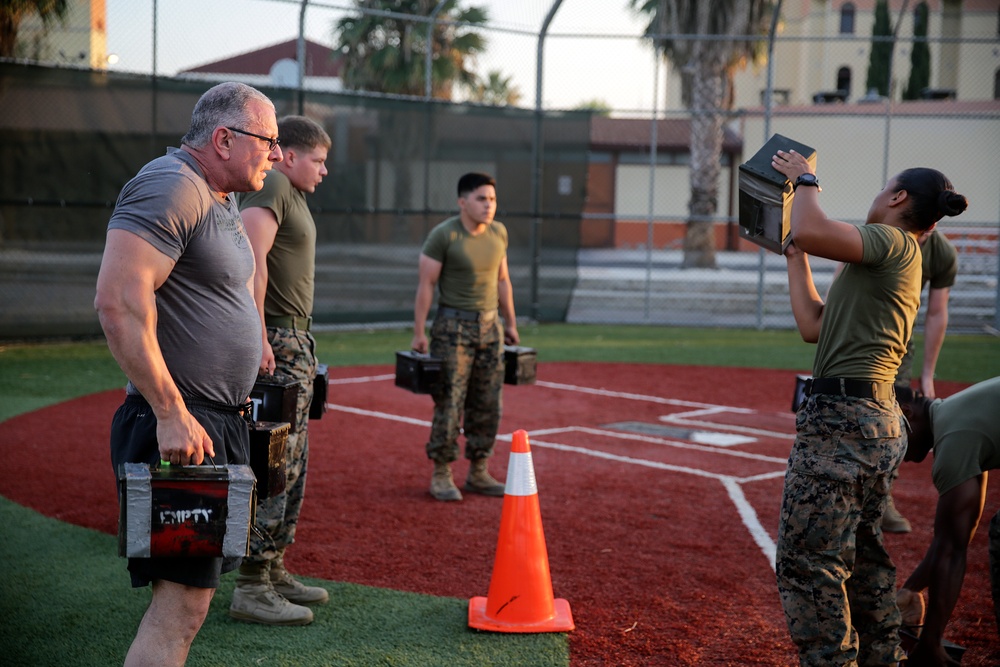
(520, 475)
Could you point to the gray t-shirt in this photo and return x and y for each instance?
(207, 322)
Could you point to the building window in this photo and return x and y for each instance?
(847, 19)
(996, 85)
(844, 79)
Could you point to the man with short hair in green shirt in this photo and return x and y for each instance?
(283, 235)
(465, 257)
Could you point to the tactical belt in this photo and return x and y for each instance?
(468, 315)
(289, 322)
(880, 391)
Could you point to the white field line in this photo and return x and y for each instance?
(714, 426)
(358, 380)
(639, 397)
(379, 415)
(751, 520)
(733, 485)
(679, 445)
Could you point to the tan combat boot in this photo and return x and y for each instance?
(479, 480)
(255, 600)
(893, 521)
(442, 485)
(290, 588)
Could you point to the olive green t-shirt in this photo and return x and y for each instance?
(469, 264)
(940, 261)
(869, 314)
(291, 262)
(966, 434)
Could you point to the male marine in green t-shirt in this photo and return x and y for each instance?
(963, 430)
(283, 235)
(465, 257)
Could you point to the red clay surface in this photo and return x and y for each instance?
(659, 543)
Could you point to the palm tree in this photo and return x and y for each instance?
(13, 12)
(707, 67)
(496, 89)
(384, 52)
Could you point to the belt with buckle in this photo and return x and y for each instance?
(289, 322)
(450, 313)
(879, 391)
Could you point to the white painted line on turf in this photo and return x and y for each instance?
(717, 439)
(638, 397)
(627, 459)
(359, 380)
(750, 519)
(680, 445)
(380, 415)
(732, 485)
(672, 419)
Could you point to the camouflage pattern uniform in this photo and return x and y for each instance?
(471, 388)
(836, 580)
(278, 516)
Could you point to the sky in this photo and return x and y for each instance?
(604, 59)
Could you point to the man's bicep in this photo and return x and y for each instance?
(262, 228)
(429, 269)
(130, 260)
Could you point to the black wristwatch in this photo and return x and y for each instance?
(806, 179)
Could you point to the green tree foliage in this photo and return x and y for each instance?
(598, 106)
(881, 53)
(385, 52)
(920, 56)
(707, 67)
(495, 89)
(13, 12)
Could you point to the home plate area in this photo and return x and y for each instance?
(671, 421)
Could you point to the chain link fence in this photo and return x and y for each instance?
(596, 201)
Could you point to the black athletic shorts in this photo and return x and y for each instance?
(133, 440)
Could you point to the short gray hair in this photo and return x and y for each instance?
(224, 104)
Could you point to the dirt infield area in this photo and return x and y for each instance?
(659, 489)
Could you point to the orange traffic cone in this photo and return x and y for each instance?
(520, 596)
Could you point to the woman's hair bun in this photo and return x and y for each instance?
(951, 203)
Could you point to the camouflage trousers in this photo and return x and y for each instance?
(471, 387)
(278, 516)
(836, 580)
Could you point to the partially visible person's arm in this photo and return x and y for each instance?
(942, 569)
(429, 271)
(807, 305)
(131, 272)
(935, 326)
(262, 228)
(813, 232)
(505, 294)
